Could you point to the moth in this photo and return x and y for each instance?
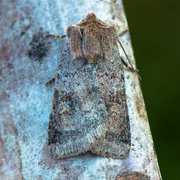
(89, 109)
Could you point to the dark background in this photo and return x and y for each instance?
(155, 33)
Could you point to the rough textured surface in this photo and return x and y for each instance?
(26, 101)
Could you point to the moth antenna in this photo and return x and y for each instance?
(54, 36)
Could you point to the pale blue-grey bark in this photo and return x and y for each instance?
(27, 61)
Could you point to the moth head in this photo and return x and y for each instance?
(90, 17)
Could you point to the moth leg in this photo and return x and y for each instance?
(51, 80)
(130, 68)
(123, 32)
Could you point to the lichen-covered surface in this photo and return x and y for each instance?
(27, 61)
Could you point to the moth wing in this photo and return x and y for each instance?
(115, 141)
(78, 113)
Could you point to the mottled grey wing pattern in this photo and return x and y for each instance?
(89, 110)
(78, 111)
(116, 140)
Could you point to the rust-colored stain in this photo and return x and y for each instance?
(114, 118)
(65, 113)
(132, 176)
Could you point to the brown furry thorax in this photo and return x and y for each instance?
(91, 37)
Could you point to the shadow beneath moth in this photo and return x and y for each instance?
(89, 108)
